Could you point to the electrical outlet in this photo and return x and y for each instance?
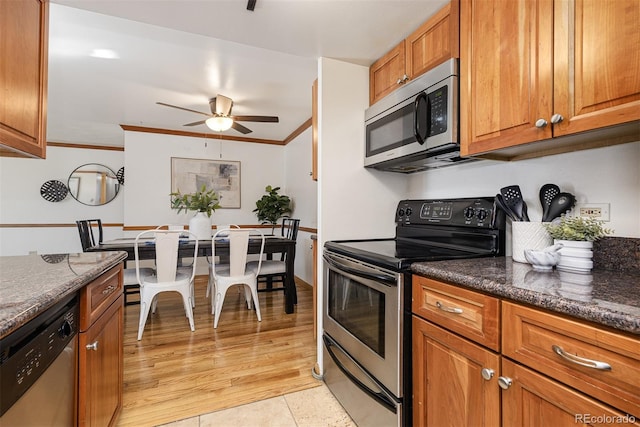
(599, 211)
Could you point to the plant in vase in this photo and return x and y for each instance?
(204, 202)
(576, 234)
(272, 206)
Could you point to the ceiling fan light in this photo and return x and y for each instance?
(219, 123)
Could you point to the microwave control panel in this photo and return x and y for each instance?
(438, 101)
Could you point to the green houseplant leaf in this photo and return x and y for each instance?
(577, 229)
(202, 201)
(272, 206)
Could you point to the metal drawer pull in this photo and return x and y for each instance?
(454, 310)
(93, 346)
(108, 289)
(602, 366)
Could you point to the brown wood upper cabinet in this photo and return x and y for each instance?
(532, 70)
(431, 44)
(23, 77)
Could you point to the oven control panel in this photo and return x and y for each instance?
(466, 212)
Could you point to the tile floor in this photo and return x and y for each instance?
(314, 407)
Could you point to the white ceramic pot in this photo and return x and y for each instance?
(528, 235)
(200, 225)
(575, 256)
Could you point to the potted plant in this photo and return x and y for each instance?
(204, 202)
(272, 206)
(576, 234)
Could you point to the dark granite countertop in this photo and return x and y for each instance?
(30, 284)
(605, 297)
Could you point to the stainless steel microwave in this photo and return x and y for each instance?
(416, 127)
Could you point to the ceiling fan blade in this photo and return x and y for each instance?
(221, 105)
(199, 122)
(263, 119)
(237, 126)
(182, 108)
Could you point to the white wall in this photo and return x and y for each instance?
(303, 191)
(603, 175)
(148, 176)
(21, 203)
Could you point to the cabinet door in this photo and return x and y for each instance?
(505, 73)
(23, 80)
(386, 73)
(596, 63)
(101, 369)
(533, 400)
(448, 387)
(434, 42)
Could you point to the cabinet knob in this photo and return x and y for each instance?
(402, 79)
(487, 373)
(504, 382)
(540, 123)
(556, 118)
(93, 346)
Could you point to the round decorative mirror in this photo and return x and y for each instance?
(93, 184)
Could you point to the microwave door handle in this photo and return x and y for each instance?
(422, 97)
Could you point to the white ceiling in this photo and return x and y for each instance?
(183, 52)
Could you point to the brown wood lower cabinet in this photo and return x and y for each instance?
(533, 400)
(459, 381)
(100, 359)
(448, 386)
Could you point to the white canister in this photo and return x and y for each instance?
(528, 235)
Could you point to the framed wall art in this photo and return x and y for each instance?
(223, 176)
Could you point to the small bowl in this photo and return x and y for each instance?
(542, 260)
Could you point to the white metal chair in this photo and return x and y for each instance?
(168, 277)
(219, 227)
(87, 240)
(223, 276)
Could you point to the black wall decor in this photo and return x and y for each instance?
(54, 191)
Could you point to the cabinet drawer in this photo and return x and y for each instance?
(471, 314)
(535, 338)
(98, 295)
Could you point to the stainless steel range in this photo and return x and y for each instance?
(367, 300)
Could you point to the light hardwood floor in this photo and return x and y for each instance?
(173, 373)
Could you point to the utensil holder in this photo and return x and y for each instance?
(528, 235)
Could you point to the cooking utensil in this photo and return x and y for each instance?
(513, 199)
(547, 193)
(499, 202)
(560, 204)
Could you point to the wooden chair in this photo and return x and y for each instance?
(237, 272)
(276, 270)
(168, 277)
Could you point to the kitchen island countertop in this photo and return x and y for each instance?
(606, 297)
(30, 284)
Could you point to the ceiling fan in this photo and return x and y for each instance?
(220, 118)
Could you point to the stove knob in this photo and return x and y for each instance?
(401, 212)
(482, 214)
(469, 212)
(408, 211)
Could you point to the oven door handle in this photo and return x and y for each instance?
(359, 377)
(371, 275)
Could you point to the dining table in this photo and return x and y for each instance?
(273, 245)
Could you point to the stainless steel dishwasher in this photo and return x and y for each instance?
(38, 365)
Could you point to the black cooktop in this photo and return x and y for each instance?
(432, 230)
(395, 254)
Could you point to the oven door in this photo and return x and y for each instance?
(363, 314)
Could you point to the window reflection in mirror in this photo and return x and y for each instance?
(93, 184)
